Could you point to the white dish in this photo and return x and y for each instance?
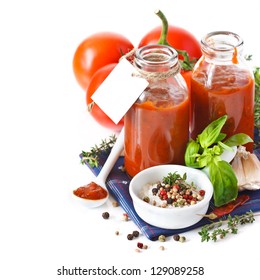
(229, 155)
(170, 218)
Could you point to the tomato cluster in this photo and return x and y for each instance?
(98, 54)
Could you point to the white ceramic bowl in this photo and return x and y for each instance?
(170, 218)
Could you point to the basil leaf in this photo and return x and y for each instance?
(204, 160)
(221, 137)
(225, 146)
(212, 132)
(191, 154)
(238, 139)
(224, 182)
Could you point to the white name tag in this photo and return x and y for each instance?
(119, 91)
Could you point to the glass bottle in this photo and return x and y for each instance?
(157, 125)
(222, 84)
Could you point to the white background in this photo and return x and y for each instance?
(44, 127)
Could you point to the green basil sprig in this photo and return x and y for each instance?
(205, 152)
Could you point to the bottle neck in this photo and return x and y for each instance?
(156, 62)
(222, 46)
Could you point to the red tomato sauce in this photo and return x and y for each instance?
(91, 191)
(231, 92)
(162, 137)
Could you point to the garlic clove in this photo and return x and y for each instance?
(246, 167)
(239, 170)
(251, 167)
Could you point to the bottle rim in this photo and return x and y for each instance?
(221, 41)
(155, 55)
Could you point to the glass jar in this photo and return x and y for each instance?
(157, 125)
(222, 84)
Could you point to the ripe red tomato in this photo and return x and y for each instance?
(177, 37)
(181, 40)
(187, 77)
(96, 80)
(97, 51)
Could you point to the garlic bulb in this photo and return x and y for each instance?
(247, 169)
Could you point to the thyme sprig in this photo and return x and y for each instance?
(91, 157)
(256, 72)
(219, 230)
(171, 178)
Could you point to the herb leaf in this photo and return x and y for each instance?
(224, 182)
(171, 178)
(206, 150)
(238, 140)
(91, 157)
(212, 132)
(218, 230)
(191, 153)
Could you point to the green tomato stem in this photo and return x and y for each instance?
(186, 63)
(163, 37)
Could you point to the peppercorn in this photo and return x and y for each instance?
(154, 191)
(117, 232)
(146, 199)
(161, 248)
(140, 245)
(176, 237)
(135, 233)
(115, 204)
(202, 192)
(130, 236)
(105, 215)
(169, 200)
(182, 239)
(162, 238)
(125, 217)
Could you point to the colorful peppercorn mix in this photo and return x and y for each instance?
(177, 193)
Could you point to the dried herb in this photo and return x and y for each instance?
(257, 97)
(91, 157)
(219, 230)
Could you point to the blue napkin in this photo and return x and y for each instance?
(118, 186)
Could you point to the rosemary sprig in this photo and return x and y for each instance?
(216, 231)
(91, 157)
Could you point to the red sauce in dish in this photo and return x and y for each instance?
(91, 191)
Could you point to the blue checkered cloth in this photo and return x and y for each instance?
(118, 186)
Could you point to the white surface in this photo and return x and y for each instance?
(170, 217)
(44, 127)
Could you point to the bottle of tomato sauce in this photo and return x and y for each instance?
(157, 125)
(222, 84)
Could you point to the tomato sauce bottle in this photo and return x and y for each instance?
(157, 125)
(222, 84)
